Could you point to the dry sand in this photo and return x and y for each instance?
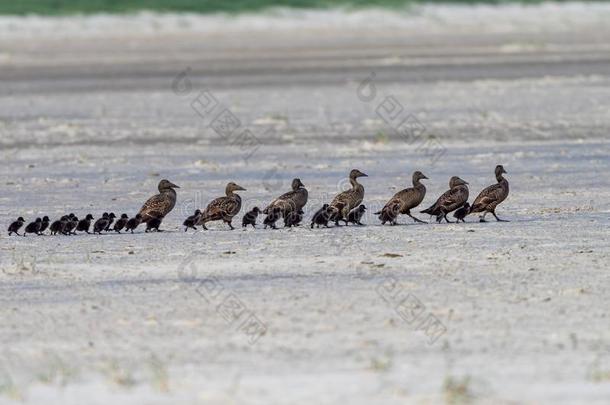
(512, 312)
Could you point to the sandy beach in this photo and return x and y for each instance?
(95, 110)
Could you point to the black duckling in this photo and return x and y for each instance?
(250, 217)
(74, 224)
(33, 227)
(355, 215)
(191, 221)
(45, 224)
(153, 224)
(321, 217)
(111, 218)
(348, 200)
(293, 200)
(59, 225)
(492, 196)
(159, 205)
(100, 224)
(16, 226)
(461, 213)
(450, 200)
(84, 224)
(223, 208)
(404, 201)
(272, 217)
(120, 223)
(293, 218)
(71, 224)
(133, 223)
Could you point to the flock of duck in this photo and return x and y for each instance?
(346, 207)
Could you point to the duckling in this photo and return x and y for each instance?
(45, 224)
(15, 226)
(272, 217)
(71, 225)
(450, 200)
(153, 224)
(293, 218)
(133, 223)
(111, 218)
(100, 224)
(68, 228)
(346, 201)
(336, 212)
(59, 225)
(33, 227)
(355, 215)
(223, 208)
(159, 205)
(389, 213)
(321, 217)
(191, 221)
(250, 217)
(120, 223)
(404, 201)
(84, 224)
(293, 200)
(461, 213)
(492, 196)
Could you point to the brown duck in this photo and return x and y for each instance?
(158, 206)
(346, 201)
(491, 196)
(405, 200)
(223, 208)
(451, 199)
(292, 201)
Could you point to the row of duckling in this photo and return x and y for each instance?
(71, 225)
(345, 206)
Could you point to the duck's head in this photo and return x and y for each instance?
(20, 219)
(500, 170)
(256, 210)
(355, 173)
(362, 208)
(124, 216)
(111, 215)
(231, 187)
(417, 176)
(296, 184)
(89, 217)
(456, 181)
(166, 185)
(45, 218)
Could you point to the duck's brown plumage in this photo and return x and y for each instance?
(158, 206)
(450, 200)
(292, 201)
(348, 200)
(405, 200)
(491, 196)
(223, 208)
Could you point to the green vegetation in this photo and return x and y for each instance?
(58, 7)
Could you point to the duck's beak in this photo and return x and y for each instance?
(240, 188)
(363, 174)
(423, 176)
(173, 185)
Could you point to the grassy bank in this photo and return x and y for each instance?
(56, 7)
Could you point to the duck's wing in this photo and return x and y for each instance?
(488, 196)
(155, 207)
(220, 208)
(454, 198)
